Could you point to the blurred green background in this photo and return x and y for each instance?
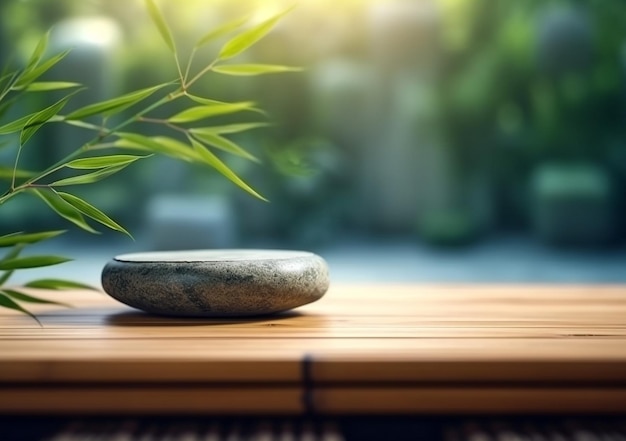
(441, 121)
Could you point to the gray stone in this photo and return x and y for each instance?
(216, 283)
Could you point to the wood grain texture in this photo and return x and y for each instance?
(431, 345)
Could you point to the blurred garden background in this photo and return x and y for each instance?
(425, 140)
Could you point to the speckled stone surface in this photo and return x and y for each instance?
(216, 283)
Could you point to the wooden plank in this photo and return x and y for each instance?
(307, 329)
(411, 332)
(151, 400)
(327, 400)
(469, 400)
(333, 359)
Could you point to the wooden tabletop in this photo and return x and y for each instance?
(361, 349)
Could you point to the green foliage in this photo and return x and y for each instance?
(244, 70)
(240, 43)
(192, 140)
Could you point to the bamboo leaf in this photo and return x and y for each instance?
(161, 25)
(202, 112)
(210, 102)
(89, 210)
(222, 30)
(224, 144)
(247, 38)
(7, 302)
(27, 298)
(38, 52)
(8, 83)
(177, 149)
(29, 77)
(114, 105)
(12, 254)
(210, 159)
(88, 178)
(103, 161)
(15, 126)
(58, 284)
(31, 262)
(228, 128)
(163, 145)
(46, 86)
(41, 117)
(7, 173)
(253, 69)
(204, 101)
(128, 141)
(12, 239)
(83, 125)
(62, 208)
(6, 76)
(6, 275)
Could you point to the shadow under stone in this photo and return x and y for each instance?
(139, 318)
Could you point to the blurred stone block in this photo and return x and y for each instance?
(572, 205)
(180, 222)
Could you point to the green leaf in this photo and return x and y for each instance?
(210, 102)
(83, 125)
(12, 254)
(89, 210)
(204, 101)
(12, 239)
(7, 302)
(30, 76)
(247, 38)
(222, 30)
(6, 275)
(8, 80)
(45, 86)
(157, 144)
(161, 25)
(202, 112)
(7, 173)
(27, 298)
(15, 126)
(88, 178)
(62, 208)
(58, 284)
(114, 105)
(41, 117)
(210, 159)
(31, 262)
(128, 141)
(224, 144)
(177, 149)
(253, 69)
(4, 77)
(41, 47)
(228, 128)
(103, 161)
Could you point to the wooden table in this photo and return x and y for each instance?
(361, 349)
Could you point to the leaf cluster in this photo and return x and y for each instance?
(116, 145)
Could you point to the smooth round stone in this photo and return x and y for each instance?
(216, 283)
